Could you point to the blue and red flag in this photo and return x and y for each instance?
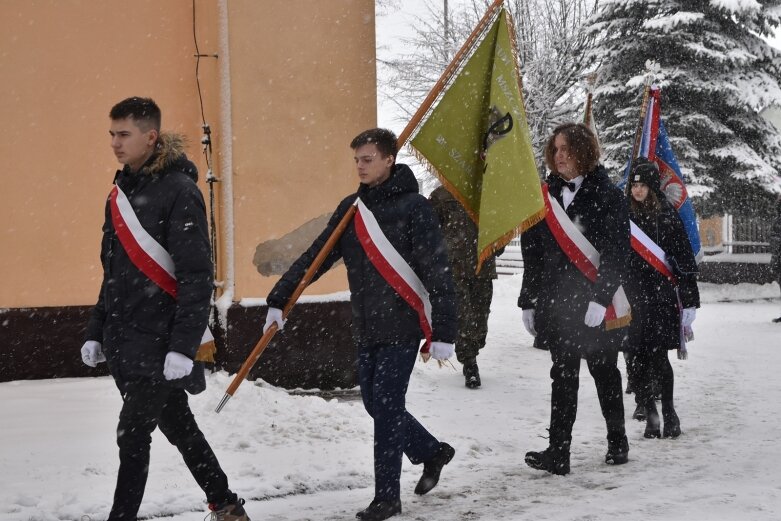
(655, 146)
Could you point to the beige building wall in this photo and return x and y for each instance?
(301, 84)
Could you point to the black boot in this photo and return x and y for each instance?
(672, 425)
(471, 374)
(617, 451)
(639, 413)
(379, 510)
(551, 460)
(433, 468)
(652, 426)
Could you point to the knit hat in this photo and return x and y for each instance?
(646, 172)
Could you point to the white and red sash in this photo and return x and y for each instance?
(144, 251)
(654, 255)
(148, 255)
(584, 256)
(393, 268)
(651, 252)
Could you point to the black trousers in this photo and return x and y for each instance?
(564, 393)
(148, 404)
(383, 373)
(652, 365)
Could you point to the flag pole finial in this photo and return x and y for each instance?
(590, 80)
(652, 70)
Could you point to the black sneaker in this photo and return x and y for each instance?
(471, 375)
(379, 510)
(777, 320)
(433, 468)
(549, 460)
(228, 511)
(617, 452)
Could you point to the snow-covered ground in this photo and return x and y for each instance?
(306, 458)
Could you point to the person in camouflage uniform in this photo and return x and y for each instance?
(474, 290)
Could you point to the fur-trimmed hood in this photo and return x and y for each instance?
(169, 154)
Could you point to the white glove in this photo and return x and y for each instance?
(92, 353)
(528, 321)
(274, 315)
(442, 350)
(176, 366)
(687, 316)
(595, 314)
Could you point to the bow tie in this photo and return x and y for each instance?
(572, 186)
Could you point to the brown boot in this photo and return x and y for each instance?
(228, 511)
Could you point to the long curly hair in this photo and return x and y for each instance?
(583, 145)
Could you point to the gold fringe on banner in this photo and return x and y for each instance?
(505, 239)
(442, 179)
(618, 322)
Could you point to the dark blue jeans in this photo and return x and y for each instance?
(383, 373)
(148, 404)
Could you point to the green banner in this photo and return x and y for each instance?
(477, 141)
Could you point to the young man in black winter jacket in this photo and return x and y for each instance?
(148, 323)
(386, 329)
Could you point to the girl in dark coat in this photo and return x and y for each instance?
(661, 307)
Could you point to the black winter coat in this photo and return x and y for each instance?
(136, 321)
(656, 319)
(552, 285)
(379, 314)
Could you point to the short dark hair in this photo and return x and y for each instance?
(382, 137)
(582, 142)
(144, 111)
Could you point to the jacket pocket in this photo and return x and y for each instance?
(152, 310)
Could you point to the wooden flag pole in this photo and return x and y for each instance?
(449, 71)
(269, 334)
(590, 80)
(651, 68)
(643, 112)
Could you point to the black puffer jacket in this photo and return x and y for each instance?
(380, 315)
(137, 322)
(552, 285)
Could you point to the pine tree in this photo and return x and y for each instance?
(717, 73)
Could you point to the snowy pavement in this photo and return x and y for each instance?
(297, 458)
